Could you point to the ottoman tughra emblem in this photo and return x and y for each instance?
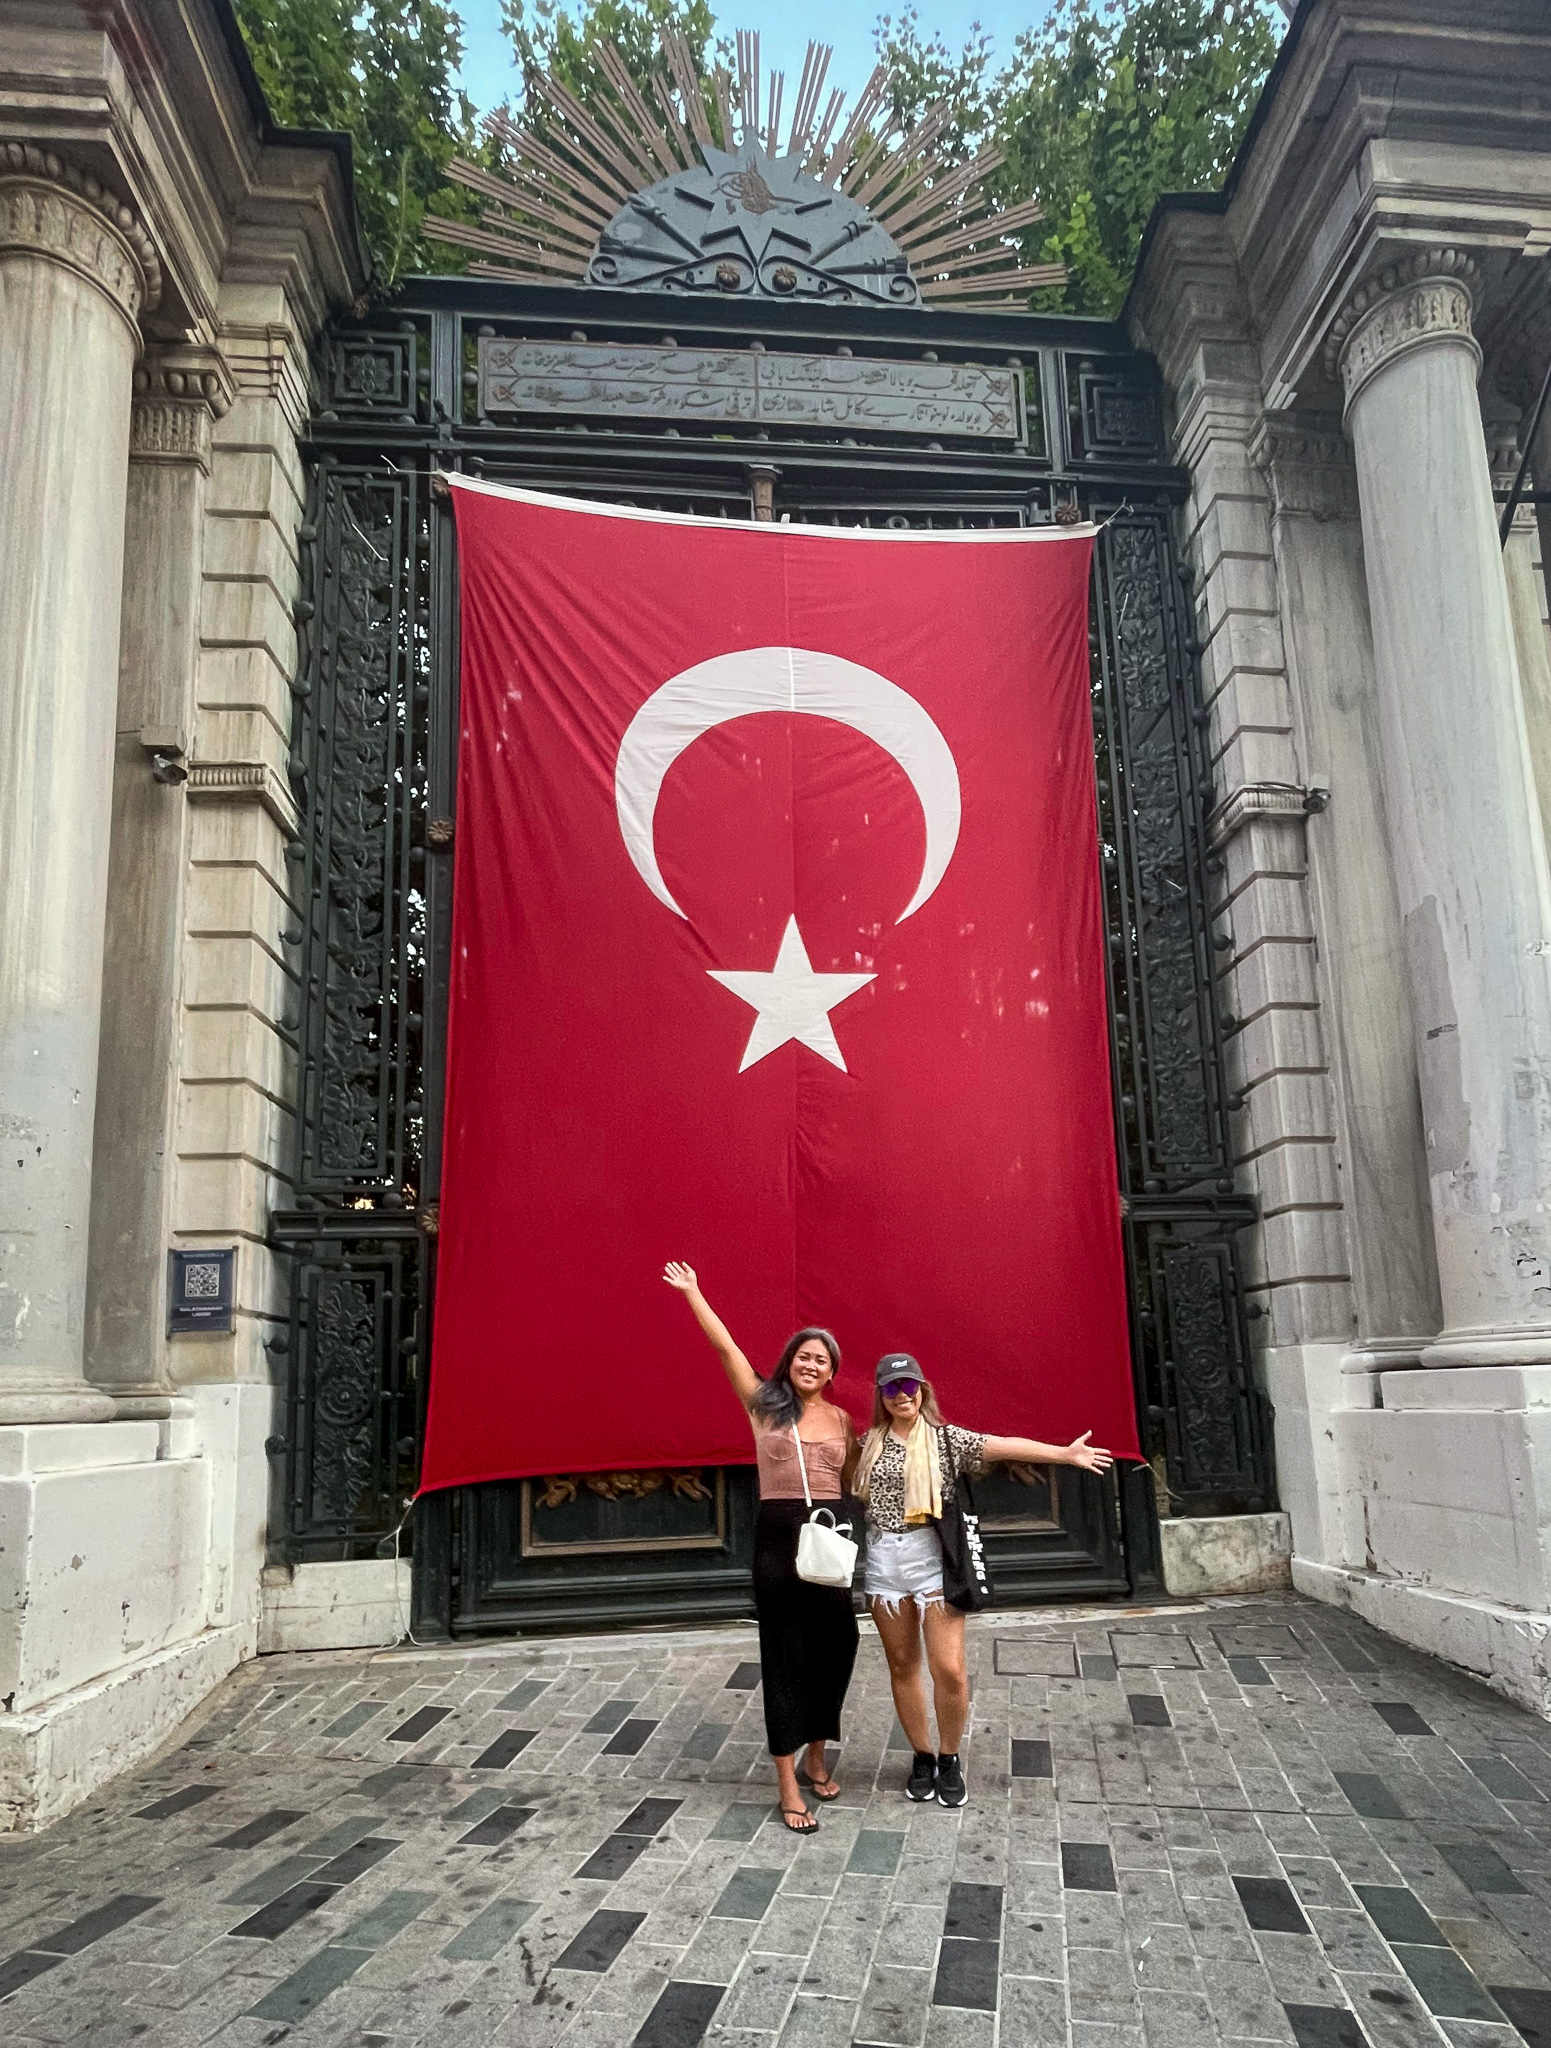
(852, 209)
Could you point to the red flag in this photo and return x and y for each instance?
(777, 948)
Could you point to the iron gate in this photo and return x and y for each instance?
(577, 390)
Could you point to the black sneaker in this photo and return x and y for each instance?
(922, 1784)
(951, 1789)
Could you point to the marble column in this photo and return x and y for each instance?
(1366, 1005)
(1465, 831)
(1529, 627)
(179, 393)
(76, 271)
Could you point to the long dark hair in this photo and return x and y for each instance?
(777, 1404)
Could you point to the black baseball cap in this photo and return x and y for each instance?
(897, 1365)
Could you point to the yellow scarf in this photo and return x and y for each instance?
(923, 1472)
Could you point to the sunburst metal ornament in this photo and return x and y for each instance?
(688, 187)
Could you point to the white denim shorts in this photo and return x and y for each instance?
(906, 1565)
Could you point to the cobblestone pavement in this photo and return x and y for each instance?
(1243, 1821)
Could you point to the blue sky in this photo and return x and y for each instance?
(784, 30)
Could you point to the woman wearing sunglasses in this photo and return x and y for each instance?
(807, 1633)
(910, 1459)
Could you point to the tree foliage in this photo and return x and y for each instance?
(546, 35)
(1101, 109)
(383, 72)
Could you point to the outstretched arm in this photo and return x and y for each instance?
(745, 1381)
(1026, 1450)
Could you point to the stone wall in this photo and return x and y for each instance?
(166, 258)
(1351, 336)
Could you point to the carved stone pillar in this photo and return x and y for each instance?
(1529, 629)
(178, 393)
(1464, 822)
(1366, 1001)
(76, 270)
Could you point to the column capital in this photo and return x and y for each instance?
(52, 208)
(1307, 464)
(1425, 299)
(179, 393)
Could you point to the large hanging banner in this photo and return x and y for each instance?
(777, 948)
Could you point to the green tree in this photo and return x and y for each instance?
(383, 72)
(1103, 107)
(923, 70)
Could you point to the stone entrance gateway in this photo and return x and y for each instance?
(833, 410)
(1322, 742)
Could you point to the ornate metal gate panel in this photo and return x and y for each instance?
(829, 414)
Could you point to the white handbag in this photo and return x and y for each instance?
(826, 1556)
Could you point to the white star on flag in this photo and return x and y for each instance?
(792, 1001)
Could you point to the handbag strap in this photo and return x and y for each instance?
(802, 1466)
(958, 1474)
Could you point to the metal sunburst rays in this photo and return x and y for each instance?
(689, 185)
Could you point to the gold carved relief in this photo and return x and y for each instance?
(622, 1486)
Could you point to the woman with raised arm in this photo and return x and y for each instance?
(910, 1461)
(807, 1633)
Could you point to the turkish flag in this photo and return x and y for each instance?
(778, 949)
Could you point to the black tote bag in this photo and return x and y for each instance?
(966, 1581)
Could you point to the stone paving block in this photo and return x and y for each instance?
(490, 1930)
(790, 1927)
(1033, 2012)
(761, 1994)
(1493, 1955)
(876, 1852)
(1298, 1967)
(949, 2026)
(1325, 2026)
(1030, 1656)
(967, 1974)
(680, 2016)
(894, 2006)
(1244, 2005)
(747, 1895)
(820, 2023)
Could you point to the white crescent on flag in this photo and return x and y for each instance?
(757, 679)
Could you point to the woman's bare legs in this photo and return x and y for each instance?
(944, 1631)
(790, 1793)
(900, 1633)
(824, 1786)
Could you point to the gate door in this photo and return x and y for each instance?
(850, 414)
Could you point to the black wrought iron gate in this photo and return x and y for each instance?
(974, 420)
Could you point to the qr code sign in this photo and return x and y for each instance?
(202, 1283)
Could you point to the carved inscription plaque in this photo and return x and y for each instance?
(854, 393)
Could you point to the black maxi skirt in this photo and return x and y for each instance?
(807, 1636)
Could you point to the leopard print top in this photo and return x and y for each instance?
(966, 1452)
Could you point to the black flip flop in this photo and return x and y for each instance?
(790, 1813)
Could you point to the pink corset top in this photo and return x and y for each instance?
(780, 1477)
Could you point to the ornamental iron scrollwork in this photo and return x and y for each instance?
(358, 771)
(1154, 788)
(349, 1444)
(1212, 1416)
(1114, 410)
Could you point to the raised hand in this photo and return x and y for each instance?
(1088, 1457)
(680, 1276)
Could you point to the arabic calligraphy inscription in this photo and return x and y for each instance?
(742, 385)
